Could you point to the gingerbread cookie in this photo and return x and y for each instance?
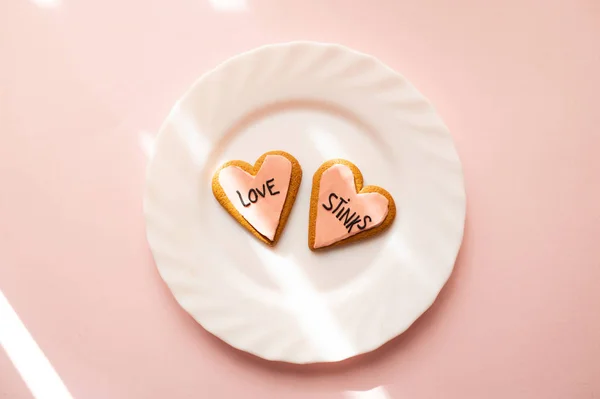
(259, 197)
(342, 210)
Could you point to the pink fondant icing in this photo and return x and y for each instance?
(334, 221)
(261, 198)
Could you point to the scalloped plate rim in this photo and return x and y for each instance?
(198, 83)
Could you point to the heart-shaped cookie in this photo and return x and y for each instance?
(259, 197)
(342, 210)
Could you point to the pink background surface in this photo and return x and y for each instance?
(84, 84)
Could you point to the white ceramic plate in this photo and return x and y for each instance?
(317, 102)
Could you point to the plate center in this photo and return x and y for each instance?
(313, 135)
